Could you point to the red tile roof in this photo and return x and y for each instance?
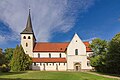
(50, 47)
(63, 60)
(88, 49)
(55, 47)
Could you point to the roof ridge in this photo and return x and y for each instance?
(52, 42)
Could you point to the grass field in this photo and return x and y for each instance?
(45, 75)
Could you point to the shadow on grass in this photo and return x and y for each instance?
(11, 73)
(24, 79)
(115, 75)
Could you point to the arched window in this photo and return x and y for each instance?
(28, 37)
(24, 37)
(26, 44)
(60, 55)
(38, 55)
(49, 55)
(76, 51)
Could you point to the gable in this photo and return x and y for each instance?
(76, 44)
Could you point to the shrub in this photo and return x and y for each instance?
(4, 68)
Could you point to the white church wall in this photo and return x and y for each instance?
(46, 54)
(77, 59)
(76, 43)
(89, 54)
(49, 66)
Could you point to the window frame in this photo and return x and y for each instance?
(60, 55)
(29, 37)
(24, 37)
(26, 44)
(38, 55)
(49, 55)
(88, 63)
(35, 64)
(76, 51)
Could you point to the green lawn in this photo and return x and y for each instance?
(45, 75)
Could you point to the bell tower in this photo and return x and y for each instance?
(28, 38)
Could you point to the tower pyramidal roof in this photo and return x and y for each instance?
(28, 29)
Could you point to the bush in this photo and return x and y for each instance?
(4, 68)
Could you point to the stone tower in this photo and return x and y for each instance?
(28, 38)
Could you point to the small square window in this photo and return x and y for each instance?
(88, 63)
(64, 63)
(34, 63)
(40, 64)
(49, 55)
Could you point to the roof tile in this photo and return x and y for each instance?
(55, 47)
(49, 60)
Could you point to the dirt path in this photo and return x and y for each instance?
(108, 76)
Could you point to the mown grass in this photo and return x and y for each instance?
(50, 75)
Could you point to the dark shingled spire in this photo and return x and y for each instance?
(28, 29)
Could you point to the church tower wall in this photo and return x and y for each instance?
(27, 42)
(28, 38)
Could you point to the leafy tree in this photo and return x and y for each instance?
(15, 62)
(8, 54)
(0, 51)
(28, 62)
(98, 60)
(20, 60)
(98, 46)
(113, 56)
(2, 59)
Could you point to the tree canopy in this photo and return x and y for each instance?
(8, 54)
(20, 61)
(113, 56)
(106, 55)
(2, 59)
(99, 48)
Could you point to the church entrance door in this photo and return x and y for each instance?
(77, 67)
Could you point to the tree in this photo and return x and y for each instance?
(113, 56)
(2, 57)
(15, 62)
(98, 60)
(8, 54)
(98, 46)
(20, 60)
(0, 51)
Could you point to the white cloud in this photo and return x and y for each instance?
(48, 16)
(90, 39)
(2, 39)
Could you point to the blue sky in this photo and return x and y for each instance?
(58, 20)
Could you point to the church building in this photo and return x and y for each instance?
(55, 56)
